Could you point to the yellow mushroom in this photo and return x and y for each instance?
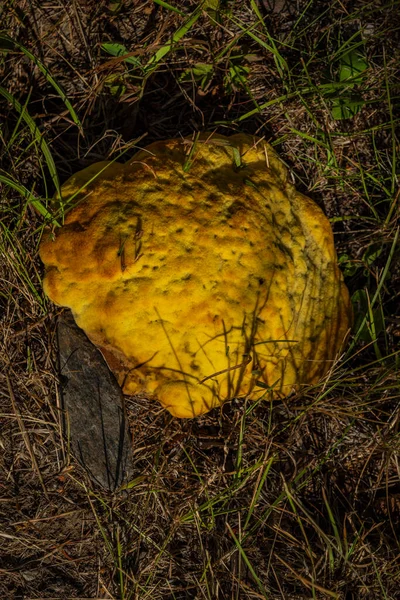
(201, 273)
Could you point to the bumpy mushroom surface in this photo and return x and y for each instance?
(201, 272)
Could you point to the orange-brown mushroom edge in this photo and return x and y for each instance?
(202, 271)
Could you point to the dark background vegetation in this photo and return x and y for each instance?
(293, 500)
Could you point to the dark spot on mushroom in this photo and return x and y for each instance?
(233, 208)
(285, 249)
(75, 226)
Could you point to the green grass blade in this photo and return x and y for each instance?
(239, 452)
(332, 521)
(264, 474)
(247, 562)
(390, 105)
(280, 62)
(377, 293)
(316, 89)
(169, 7)
(36, 133)
(5, 41)
(16, 129)
(8, 241)
(120, 51)
(182, 31)
(35, 202)
(119, 560)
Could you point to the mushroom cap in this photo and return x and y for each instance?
(201, 273)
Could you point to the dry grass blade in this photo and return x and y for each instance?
(309, 584)
(41, 142)
(25, 436)
(6, 43)
(178, 35)
(35, 202)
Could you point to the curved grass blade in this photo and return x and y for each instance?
(35, 202)
(22, 111)
(120, 51)
(13, 249)
(169, 7)
(8, 43)
(239, 546)
(376, 295)
(164, 50)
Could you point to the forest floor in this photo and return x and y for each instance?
(296, 499)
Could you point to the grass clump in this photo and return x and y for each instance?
(297, 499)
